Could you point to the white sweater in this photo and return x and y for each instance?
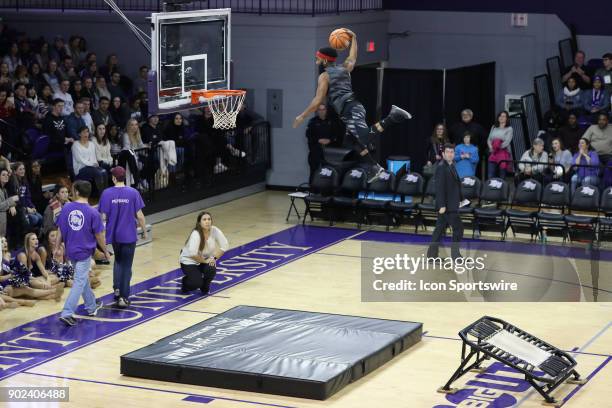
(215, 240)
(83, 156)
(103, 152)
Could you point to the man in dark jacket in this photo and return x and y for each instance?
(55, 127)
(448, 200)
(457, 130)
(319, 133)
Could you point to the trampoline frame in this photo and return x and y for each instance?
(558, 368)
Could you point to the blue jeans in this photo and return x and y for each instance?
(122, 268)
(97, 175)
(590, 180)
(493, 169)
(35, 219)
(80, 286)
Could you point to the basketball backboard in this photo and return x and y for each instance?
(190, 50)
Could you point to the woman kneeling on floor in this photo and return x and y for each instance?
(198, 257)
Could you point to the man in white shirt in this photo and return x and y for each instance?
(66, 97)
(87, 115)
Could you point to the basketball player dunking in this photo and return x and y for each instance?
(335, 83)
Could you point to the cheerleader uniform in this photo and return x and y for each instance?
(63, 270)
(21, 274)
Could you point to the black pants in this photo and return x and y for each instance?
(354, 117)
(127, 159)
(197, 277)
(448, 218)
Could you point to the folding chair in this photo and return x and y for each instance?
(527, 194)
(380, 194)
(555, 196)
(427, 210)
(407, 188)
(585, 198)
(346, 199)
(470, 189)
(605, 218)
(324, 184)
(495, 191)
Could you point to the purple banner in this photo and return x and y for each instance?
(37, 342)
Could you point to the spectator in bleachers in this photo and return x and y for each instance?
(580, 72)
(585, 156)
(51, 76)
(42, 56)
(101, 88)
(66, 69)
(466, 157)
(141, 84)
(4, 162)
(571, 99)
(102, 114)
(467, 124)
(537, 161)
(73, 49)
(45, 101)
(20, 185)
(87, 118)
(132, 141)
(85, 162)
(32, 98)
(119, 112)
(606, 72)
(597, 99)
(7, 202)
(58, 50)
(150, 131)
(245, 120)
(39, 198)
(135, 109)
(12, 59)
(114, 138)
(75, 89)
(175, 130)
(114, 87)
(36, 77)
(53, 209)
(210, 146)
(21, 75)
(75, 121)
(499, 140)
(65, 96)
(570, 133)
(5, 76)
(599, 137)
(112, 65)
(54, 126)
(90, 70)
(438, 139)
(24, 112)
(25, 52)
(561, 157)
(7, 109)
(103, 147)
(88, 91)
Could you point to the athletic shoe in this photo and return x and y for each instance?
(68, 320)
(398, 115)
(123, 303)
(99, 306)
(102, 262)
(376, 176)
(117, 295)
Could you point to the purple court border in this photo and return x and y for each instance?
(272, 252)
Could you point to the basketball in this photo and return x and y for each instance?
(339, 39)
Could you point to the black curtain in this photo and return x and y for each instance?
(365, 85)
(471, 87)
(420, 93)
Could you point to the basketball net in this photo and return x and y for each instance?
(224, 104)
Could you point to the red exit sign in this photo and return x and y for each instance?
(370, 46)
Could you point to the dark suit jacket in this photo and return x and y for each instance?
(448, 187)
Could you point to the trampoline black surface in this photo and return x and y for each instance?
(274, 351)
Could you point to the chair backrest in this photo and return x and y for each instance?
(556, 194)
(470, 187)
(40, 148)
(430, 189)
(325, 180)
(411, 184)
(385, 183)
(606, 200)
(585, 198)
(495, 190)
(528, 191)
(354, 180)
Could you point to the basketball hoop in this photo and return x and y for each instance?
(223, 103)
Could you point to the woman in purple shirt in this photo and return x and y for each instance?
(585, 156)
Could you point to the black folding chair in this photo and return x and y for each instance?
(324, 184)
(470, 189)
(527, 196)
(605, 218)
(410, 186)
(427, 210)
(583, 226)
(489, 216)
(346, 199)
(383, 186)
(555, 196)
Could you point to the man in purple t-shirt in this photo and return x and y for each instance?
(80, 228)
(121, 206)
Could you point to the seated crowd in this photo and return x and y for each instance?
(58, 90)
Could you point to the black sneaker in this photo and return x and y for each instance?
(99, 306)
(117, 295)
(123, 303)
(68, 320)
(102, 262)
(397, 114)
(378, 172)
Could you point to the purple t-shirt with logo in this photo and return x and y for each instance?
(79, 223)
(120, 204)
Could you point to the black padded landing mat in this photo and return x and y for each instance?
(274, 351)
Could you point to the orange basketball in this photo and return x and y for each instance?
(339, 39)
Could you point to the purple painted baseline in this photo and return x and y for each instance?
(482, 244)
(90, 331)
